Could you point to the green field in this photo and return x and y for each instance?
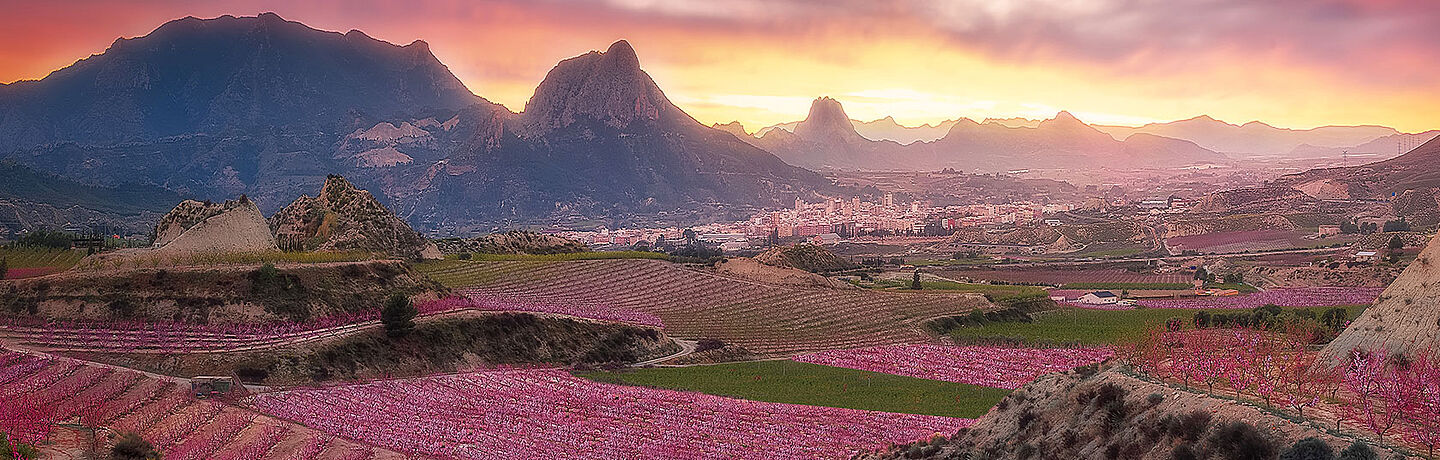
(802, 383)
(590, 255)
(40, 257)
(1092, 327)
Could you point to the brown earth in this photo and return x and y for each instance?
(1111, 414)
(205, 227)
(750, 269)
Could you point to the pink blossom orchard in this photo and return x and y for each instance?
(547, 413)
(1390, 396)
(999, 367)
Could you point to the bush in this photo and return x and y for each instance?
(1190, 426)
(1358, 451)
(398, 316)
(1309, 449)
(8, 450)
(1184, 452)
(1239, 441)
(131, 446)
(707, 344)
(4, 267)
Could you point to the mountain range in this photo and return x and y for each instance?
(827, 138)
(269, 108)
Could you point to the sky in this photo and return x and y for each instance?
(1289, 63)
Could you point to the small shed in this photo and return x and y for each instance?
(206, 386)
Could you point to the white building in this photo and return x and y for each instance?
(1099, 298)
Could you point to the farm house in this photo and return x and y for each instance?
(1099, 298)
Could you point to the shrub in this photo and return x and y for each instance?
(8, 450)
(131, 446)
(1190, 426)
(1309, 449)
(1358, 451)
(1239, 441)
(707, 344)
(1155, 398)
(4, 267)
(1184, 452)
(398, 315)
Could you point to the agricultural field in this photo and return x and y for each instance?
(1059, 277)
(1087, 327)
(902, 281)
(31, 262)
(40, 392)
(1284, 297)
(1250, 240)
(996, 367)
(794, 382)
(769, 320)
(588, 255)
(548, 413)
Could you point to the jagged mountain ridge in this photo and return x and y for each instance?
(269, 108)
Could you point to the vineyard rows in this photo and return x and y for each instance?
(40, 392)
(1061, 277)
(547, 413)
(763, 318)
(32, 262)
(997, 367)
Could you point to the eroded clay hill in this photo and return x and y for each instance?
(200, 227)
(1405, 318)
(344, 218)
(512, 242)
(1109, 414)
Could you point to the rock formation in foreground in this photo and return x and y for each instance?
(1405, 318)
(235, 226)
(344, 218)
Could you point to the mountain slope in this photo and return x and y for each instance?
(599, 138)
(269, 108)
(1418, 169)
(1404, 319)
(1253, 138)
(344, 218)
(32, 200)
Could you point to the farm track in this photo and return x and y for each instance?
(769, 320)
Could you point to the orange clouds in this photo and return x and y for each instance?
(1289, 62)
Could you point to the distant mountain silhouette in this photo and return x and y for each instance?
(884, 129)
(266, 107)
(1254, 138)
(1417, 170)
(828, 139)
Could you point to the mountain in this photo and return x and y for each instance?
(32, 200)
(269, 108)
(1254, 138)
(828, 139)
(234, 226)
(1379, 149)
(220, 107)
(884, 129)
(599, 138)
(1418, 169)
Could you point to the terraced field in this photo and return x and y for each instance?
(769, 320)
(41, 391)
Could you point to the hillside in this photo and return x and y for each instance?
(1082, 415)
(344, 218)
(808, 257)
(511, 242)
(1255, 139)
(1405, 318)
(31, 199)
(1415, 170)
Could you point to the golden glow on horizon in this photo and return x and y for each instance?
(720, 74)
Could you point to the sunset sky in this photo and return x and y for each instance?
(1291, 63)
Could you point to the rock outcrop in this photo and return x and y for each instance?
(344, 218)
(808, 257)
(512, 242)
(1404, 319)
(235, 226)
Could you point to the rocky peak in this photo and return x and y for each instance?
(827, 121)
(344, 218)
(608, 87)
